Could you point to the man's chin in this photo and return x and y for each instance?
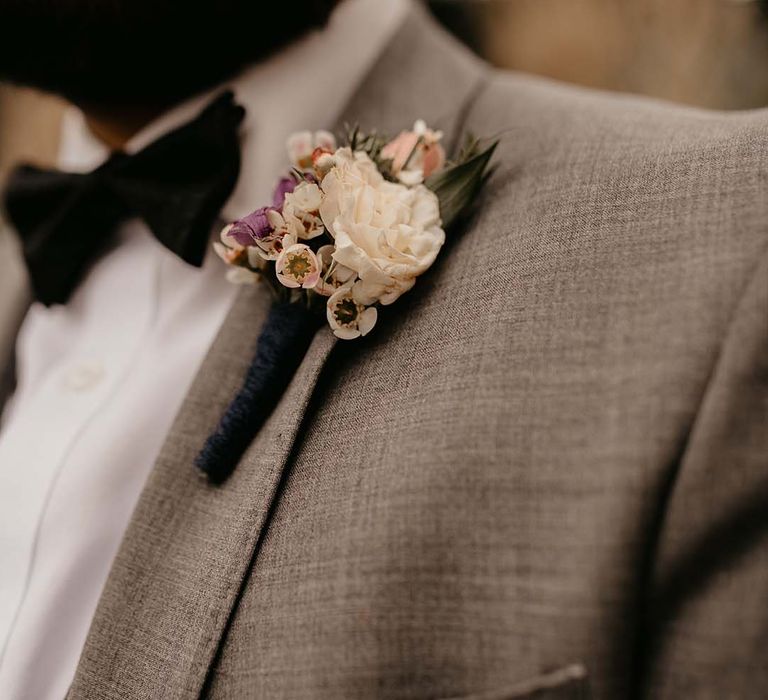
(143, 52)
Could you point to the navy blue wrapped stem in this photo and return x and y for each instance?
(283, 342)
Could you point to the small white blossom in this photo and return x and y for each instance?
(307, 196)
(303, 144)
(332, 275)
(269, 247)
(297, 267)
(348, 318)
(301, 211)
(229, 250)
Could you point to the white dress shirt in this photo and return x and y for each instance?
(102, 377)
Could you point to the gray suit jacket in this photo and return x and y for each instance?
(543, 475)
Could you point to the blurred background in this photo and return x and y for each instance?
(708, 53)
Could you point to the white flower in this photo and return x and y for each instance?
(332, 274)
(388, 234)
(348, 318)
(229, 250)
(307, 196)
(298, 266)
(323, 163)
(301, 211)
(244, 265)
(270, 246)
(303, 144)
(238, 256)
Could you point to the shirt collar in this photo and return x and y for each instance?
(305, 86)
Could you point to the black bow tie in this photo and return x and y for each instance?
(176, 185)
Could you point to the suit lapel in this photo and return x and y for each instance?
(190, 545)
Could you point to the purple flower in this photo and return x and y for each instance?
(285, 186)
(254, 227)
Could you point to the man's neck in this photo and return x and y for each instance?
(114, 127)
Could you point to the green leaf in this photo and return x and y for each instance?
(457, 186)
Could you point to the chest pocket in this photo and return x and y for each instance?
(567, 683)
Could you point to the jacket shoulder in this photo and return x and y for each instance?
(634, 181)
(558, 110)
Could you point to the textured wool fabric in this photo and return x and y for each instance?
(543, 475)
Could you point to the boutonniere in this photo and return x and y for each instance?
(350, 229)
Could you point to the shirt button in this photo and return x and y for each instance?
(83, 377)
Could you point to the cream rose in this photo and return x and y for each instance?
(385, 232)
